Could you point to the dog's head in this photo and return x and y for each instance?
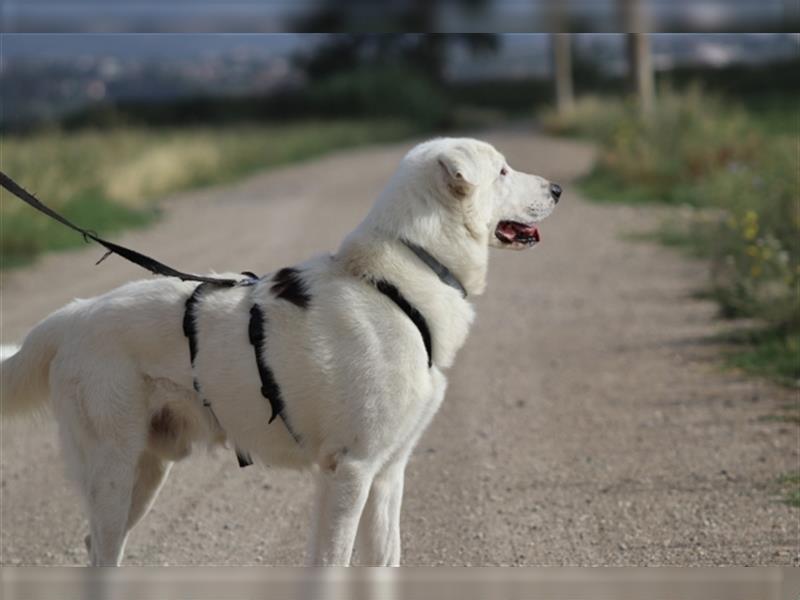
(495, 202)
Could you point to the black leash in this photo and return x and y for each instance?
(269, 389)
(152, 265)
(137, 258)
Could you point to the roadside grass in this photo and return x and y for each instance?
(730, 173)
(27, 234)
(675, 235)
(766, 351)
(789, 488)
(780, 418)
(108, 180)
(605, 186)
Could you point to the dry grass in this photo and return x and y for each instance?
(108, 179)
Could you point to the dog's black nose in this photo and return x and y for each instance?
(555, 191)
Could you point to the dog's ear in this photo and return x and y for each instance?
(458, 173)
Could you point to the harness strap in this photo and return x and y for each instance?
(190, 331)
(269, 389)
(390, 291)
(269, 386)
(190, 328)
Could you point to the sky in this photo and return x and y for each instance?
(519, 53)
(147, 45)
(281, 15)
(186, 61)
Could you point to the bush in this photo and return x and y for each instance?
(372, 92)
(595, 117)
(690, 136)
(756, 244)
(742, 180)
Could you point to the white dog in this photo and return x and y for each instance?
(347, 349)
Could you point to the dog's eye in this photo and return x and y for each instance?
(503, 171)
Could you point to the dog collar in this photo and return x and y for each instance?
(444, 274)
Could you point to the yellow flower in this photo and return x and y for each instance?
(752, 250)
(751, 215)
(750, 232)
(755, 270)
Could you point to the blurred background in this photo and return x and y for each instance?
(272, 16)
(623, 443)
(105, 124)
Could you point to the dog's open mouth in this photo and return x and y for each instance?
(514, 232)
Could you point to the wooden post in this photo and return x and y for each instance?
(641, 70)
(562, 72)
(640, 66)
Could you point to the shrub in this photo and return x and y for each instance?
(756, 244)
(742, 179)
(592, 116)
(690, 136)
(374, 92)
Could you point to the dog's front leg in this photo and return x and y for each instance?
(378, 538)
(342, 490)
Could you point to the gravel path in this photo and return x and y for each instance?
(587, 421)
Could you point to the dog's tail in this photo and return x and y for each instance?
(24, 374)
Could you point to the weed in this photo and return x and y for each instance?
(108, 180)
(732, 176)
(789, 488)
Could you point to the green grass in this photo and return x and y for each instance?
(605, 186)
(730, 172)
(602, 185)
(775, 114)
(26, 235)
(775, 354)
(109, 180)
(789, 488)
(784, 418)
(678, 235)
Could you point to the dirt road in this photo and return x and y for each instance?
(587, 420)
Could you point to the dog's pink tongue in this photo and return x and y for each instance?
(531, 231)
(513, 231)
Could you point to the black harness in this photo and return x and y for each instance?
(190, 331)
(288, 286)
(269, 387)
(297, 295)
(390, 290)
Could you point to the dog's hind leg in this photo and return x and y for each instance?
(109, 492)
(102, 416)
(151, 473)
